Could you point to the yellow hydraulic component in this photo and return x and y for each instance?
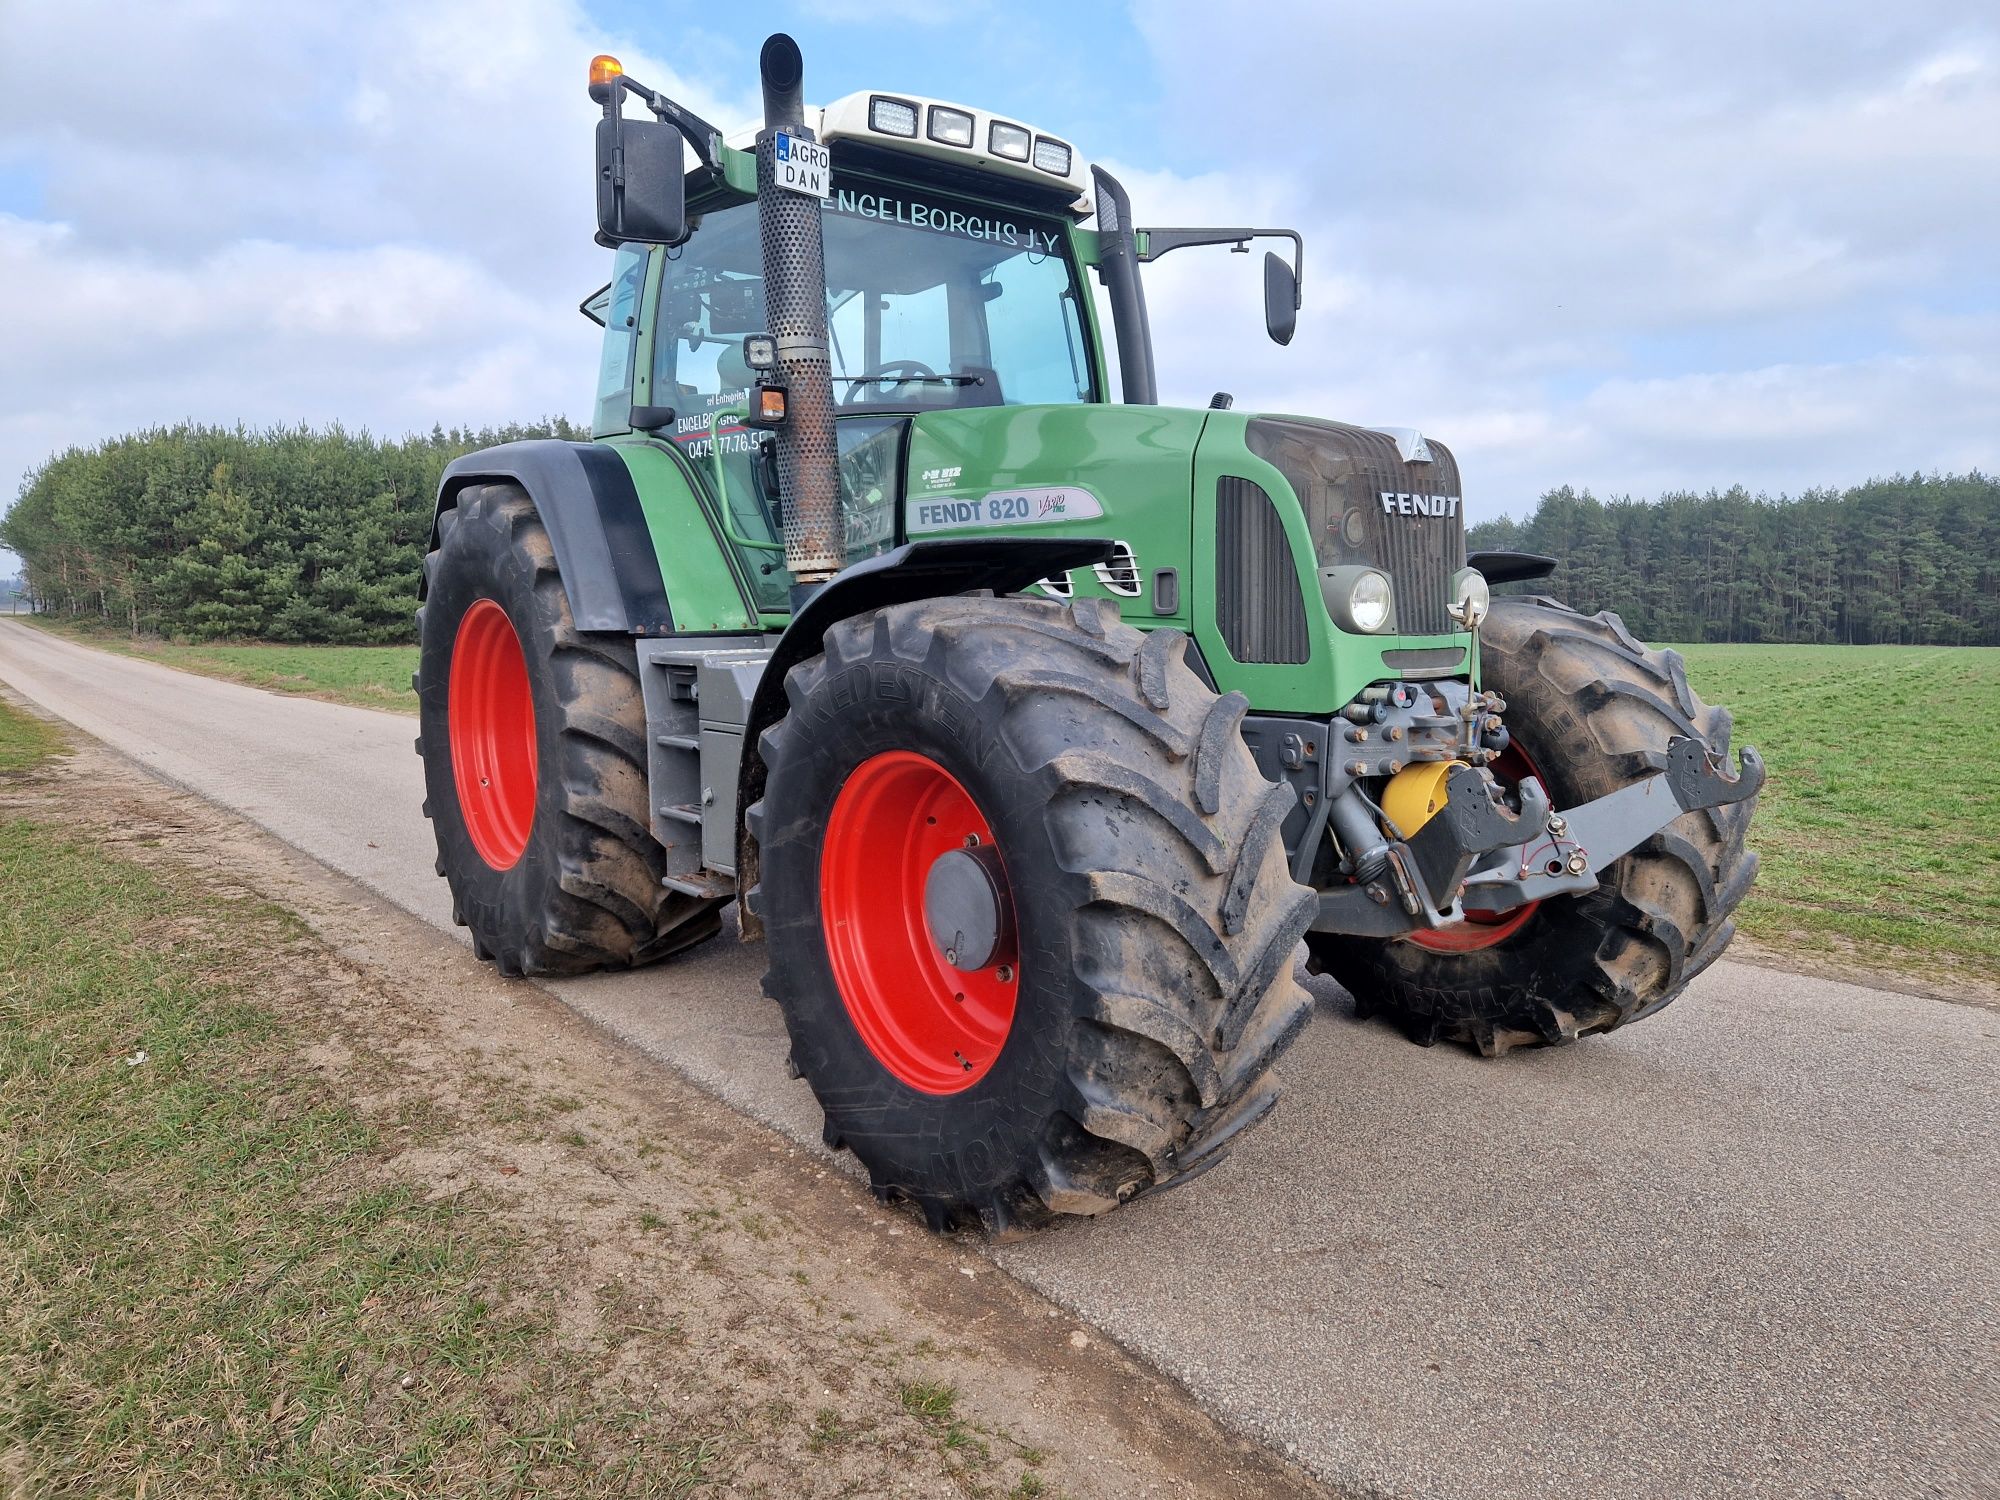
(1415, 793)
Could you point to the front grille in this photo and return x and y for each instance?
(1257, 603)
(1341, 475)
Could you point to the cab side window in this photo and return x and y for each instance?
(620, 311)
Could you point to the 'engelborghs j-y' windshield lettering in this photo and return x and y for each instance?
(944, 221)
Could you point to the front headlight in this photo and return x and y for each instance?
(1471, 599)
(1359, 598)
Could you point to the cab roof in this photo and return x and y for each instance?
(951, 135)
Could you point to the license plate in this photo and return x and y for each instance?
(803, 166)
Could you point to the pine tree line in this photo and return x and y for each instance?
(293, 534)
(287, 534)
(1903, 561)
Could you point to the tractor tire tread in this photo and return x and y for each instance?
(607, 906)
(1160, 1076)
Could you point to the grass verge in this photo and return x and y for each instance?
(211, 1286)
(1880, 826)
(280, 1221)
(26, 741)
(206, 1293)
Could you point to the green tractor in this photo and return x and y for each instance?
(1031, 729)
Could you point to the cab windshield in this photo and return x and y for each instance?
(929, 307)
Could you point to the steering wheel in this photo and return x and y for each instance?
(893, 372)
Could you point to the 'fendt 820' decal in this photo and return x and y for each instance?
(1396, 503)
(1005, 508)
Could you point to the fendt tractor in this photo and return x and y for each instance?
(1032, 729)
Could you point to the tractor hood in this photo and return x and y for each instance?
(1382, 498)
(1224, 521)
(1120, 472)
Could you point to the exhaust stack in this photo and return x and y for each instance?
(795, 304)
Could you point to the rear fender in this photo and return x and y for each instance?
(588, 503)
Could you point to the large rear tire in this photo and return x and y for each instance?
(534, 747)
(1117, 1029)
(1593, 710)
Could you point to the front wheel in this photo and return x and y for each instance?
(1590, 710)
(1028, 910)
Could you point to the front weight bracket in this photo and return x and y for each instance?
(1700, 778)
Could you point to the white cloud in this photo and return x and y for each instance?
(1637, 246)
(373, 213)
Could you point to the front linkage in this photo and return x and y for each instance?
(1473, 848)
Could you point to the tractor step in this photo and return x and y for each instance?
(708, 887)
(697, 702)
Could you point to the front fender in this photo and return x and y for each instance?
(926, 569)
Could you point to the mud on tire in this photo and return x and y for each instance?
(585, 892)
(1594, 709)
(1157, 920)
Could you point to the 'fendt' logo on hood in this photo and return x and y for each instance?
(1398, 504)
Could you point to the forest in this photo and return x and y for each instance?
(212, 533)
(298, 534)
(1903, 561)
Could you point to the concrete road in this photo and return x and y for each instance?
(1746, 1249)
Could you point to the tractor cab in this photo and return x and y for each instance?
(962, 342)
(955, 281)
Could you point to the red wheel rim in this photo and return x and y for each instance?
(937, 1028)
(1482, 929)
(491, 716)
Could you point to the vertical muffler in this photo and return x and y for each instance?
(790, 231)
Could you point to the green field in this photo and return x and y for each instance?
(1880, 826)
(1879, 832)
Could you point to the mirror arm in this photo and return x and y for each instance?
(698, 133)
(1159, 242)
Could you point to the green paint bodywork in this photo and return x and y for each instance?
(704, 586)
(1135, 460)
(1153, 469)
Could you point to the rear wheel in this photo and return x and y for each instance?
(534, 757)
(1590, 710)
(1028, 910)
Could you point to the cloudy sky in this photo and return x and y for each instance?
(1633, 246)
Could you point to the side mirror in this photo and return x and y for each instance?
(1281, 299)
(641, 183)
